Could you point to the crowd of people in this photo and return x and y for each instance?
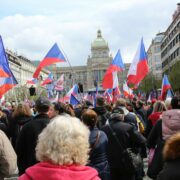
(59, 141)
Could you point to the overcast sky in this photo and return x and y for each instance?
(31, 27)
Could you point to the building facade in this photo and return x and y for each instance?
(170, 47)
(96, 66)
(154, 56)
(22, 68)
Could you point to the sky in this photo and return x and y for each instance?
(31, 27)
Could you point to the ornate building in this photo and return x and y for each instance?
(97, 64)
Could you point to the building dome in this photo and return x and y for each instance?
(99, 42)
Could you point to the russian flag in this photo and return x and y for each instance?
(139, 67)
(110, 79)
(32, 81)
(48, 80)
(165, 87)
(4, 66)
(53, 56)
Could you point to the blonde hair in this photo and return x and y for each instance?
(159, 106)
(64, 141)
(22, 109)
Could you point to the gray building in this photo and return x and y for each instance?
(170, 47)
(154, 56)
(97, 64)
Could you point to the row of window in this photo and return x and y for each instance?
(171, 57)
(166, 41)
(171, 45)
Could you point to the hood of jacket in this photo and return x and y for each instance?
(154, 117)
(21, 120)
(170, 123)
(47, 171)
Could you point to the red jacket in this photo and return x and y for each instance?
(47, 171)
(154, 117)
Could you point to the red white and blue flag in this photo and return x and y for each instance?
(32, 81)
(9, 81)
(128, 93)
(165, 87)
(58, 86)
(110, 79)
(4, 66)
(139, 66)
(53, 56)
(73, 91)
(48, 80)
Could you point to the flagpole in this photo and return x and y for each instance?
(71, 70)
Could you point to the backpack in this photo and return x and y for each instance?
(140, 125)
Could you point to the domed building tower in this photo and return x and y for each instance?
(98, 61)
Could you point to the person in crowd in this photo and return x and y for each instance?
(150, 109)
(98, 145)
(129, 117)
(102, 112)
(53, 110)
(4, 122)
(158, 108)
(29, 134)
(21, 115)
(141, 111)
(8, 158)
(62, 152)
(168, 125)
(171, 154)
(127, 137)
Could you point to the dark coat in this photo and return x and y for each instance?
(143, 113)
(98, 153)
(131, 119)
(171, 171)
(128, 138)
(27, 141)
(15, 126)
(103, 115)
(155, 141)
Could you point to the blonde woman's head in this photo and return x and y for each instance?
(64, 142)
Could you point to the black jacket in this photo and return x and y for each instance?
(170, 171)
(127, 137)
(98, 153)
(103, 115)
(15, 126)
(27, 141)
(155, 141)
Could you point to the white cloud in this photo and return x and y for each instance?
(73, 25)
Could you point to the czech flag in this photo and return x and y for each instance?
(139, 67)
(73, 100)
(128, 93)
(4, 66)
(7, 79)
(48, 80)
(165, 87)
(73, 91)
(32, 81)
(53, 56)
(110, 79)
(6, 84)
